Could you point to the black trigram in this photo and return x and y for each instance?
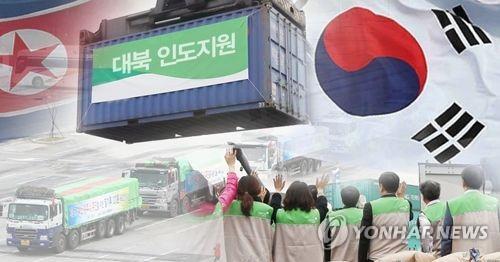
(450, 133)
(471, 33)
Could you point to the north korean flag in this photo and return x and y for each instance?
(39, 48)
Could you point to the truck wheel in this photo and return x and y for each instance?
(317, 165)
(303, 168)
(128, 217)
(73, 239)
(310, 166)
(135, 215)
(174, 208)
(286, 172)
(22, 249)
(186, 205)
(100, 230)
(59, 243)
(110, 228)
(120, 225)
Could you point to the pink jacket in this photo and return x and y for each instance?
(225, 198)
(229, 193)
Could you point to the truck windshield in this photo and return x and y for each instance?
(149, 178)
(255, 154)
(28, 212)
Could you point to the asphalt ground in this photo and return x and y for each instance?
(47, 162)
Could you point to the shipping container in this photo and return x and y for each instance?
(368, 189)
(414, 235)
(238, 70)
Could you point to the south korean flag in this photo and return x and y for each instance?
(401, 82)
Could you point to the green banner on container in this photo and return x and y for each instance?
(202, 56)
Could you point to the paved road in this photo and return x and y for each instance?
(152, 238)
(37, 162)
(149, 239)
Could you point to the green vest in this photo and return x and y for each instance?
(297, 216)
(435, 212)
(259, 210)
(346, 216)
(472, 201)
(386, 205)
(394, 212)
(249, 238)
(296, 236)
(476, 209)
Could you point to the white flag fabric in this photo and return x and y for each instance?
(401, 82)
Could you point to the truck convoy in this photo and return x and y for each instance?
(172, 186)
(61, 218)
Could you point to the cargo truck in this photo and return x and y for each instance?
(61, 218)
(187, 69)
(172, 186)
(297, 151)
(272, 156)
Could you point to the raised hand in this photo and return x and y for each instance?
(279, 183)
(322, 182)
(401, 190)
(230, 158)
(262, 193)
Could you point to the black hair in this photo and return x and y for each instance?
(298, 196)
(473, 177)
(248, 189)
(430, 189)
(389, 181)
(350, 196)
(267, 197)
(314, 191)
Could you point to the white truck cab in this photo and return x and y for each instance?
(158, 187)
(33, 222)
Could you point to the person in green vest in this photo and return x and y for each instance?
(297, 223)
(430, 220)
(248, 234)
(473, 211)
(344, 226)
(384, 225)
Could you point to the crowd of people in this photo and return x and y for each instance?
(299, 225)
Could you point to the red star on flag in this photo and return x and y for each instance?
(23, 61)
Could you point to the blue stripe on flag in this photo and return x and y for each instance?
(13, 8)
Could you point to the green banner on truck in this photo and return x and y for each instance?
(201, 56)
(94, 198)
